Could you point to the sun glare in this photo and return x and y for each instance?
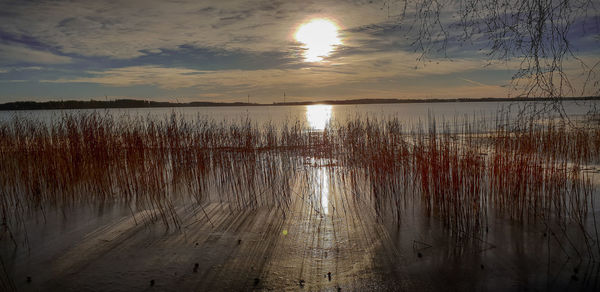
(319, 36)
(318, 116)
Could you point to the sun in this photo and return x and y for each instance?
(319, 37)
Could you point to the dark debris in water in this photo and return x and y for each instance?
(574, 277)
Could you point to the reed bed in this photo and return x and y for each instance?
(462, 173)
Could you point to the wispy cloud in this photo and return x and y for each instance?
(17, 54)
(473, 82)
(368, 71)
(175, 78)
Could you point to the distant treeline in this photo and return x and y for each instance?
(433, 100)
(136, 103)
(98, 104)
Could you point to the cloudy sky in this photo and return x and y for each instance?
(226, 50)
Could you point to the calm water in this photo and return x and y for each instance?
(98, 248)
(318, 116)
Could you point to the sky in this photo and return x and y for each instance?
(225, 51)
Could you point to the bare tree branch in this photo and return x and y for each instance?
(535, 32)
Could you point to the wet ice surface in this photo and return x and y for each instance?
(328, 239)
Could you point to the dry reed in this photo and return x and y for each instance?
(458, 174)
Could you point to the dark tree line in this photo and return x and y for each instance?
(100, 104)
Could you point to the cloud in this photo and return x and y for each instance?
(175, 78)
(473, 82)
(219, 49)
(16, 54)
(127, 29)
(347, 70)
(20, 69)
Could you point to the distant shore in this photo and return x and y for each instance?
(136, 103)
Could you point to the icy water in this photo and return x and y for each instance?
(328, 238)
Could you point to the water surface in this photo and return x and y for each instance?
(318, 116)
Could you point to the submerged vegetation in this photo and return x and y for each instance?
(464, 174)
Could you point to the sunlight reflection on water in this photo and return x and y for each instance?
(318, 116)
(324, 189)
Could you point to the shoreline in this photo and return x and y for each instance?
(135, 103)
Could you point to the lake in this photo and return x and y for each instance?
(317, 116)
(104, 204)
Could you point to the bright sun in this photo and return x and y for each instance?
(319, 36)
